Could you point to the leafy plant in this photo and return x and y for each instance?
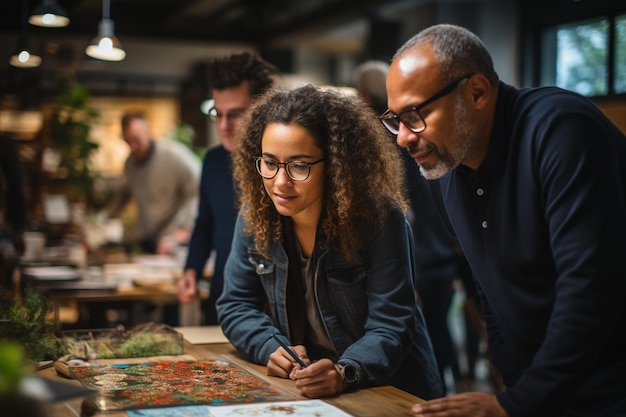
(184, 133)
(28, 325)
(148, 339)
(70, 127)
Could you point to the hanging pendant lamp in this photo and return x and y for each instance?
(23, 57)
(49, 14)
(106, 46)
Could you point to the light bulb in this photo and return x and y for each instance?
(23, 56)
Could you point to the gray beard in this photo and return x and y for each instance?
(461, 140)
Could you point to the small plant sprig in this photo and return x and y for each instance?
(29, 325)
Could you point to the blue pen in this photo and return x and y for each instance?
(289, 351)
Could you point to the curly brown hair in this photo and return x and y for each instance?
(364, 172)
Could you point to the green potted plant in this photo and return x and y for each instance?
(70, 129)
(28, 324)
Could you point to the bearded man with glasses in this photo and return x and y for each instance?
(532, 181)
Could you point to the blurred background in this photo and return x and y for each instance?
(577, 44)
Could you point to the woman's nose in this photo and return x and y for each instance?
(281, 175)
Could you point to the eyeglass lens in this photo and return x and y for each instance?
(411, 118)
(230, 117)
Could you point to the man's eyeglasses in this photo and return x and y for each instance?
(231, 117)
(412, 118)
(296, 170)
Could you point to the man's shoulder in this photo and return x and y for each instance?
(551, 99)
(171, 149)
(216, 153)
(169, 145)
(216, 157)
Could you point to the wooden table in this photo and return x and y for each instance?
(382, 401)
(94, 297)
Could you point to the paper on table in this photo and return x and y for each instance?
(202, 335)
(305, 408)
(186, 411)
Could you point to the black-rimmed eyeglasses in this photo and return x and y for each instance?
(296, 170)
(412, 118)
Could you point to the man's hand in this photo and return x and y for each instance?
(467, 404)
(187, 289)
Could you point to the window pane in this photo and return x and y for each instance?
(581, 57)
(620, 54)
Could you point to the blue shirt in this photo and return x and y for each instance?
(542, 223)
(215, 222)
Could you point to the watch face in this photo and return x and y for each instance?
(349, 373)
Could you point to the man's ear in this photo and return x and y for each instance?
(480, 90)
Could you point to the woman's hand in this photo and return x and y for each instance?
(281, 364)
(320, 379)
(467, 404)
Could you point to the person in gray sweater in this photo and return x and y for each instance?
(162, 177)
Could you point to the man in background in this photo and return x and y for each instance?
(235, 81)
(162, 177)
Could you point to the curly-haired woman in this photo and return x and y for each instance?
(321, 255)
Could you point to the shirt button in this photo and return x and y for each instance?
(484, 224)
(480, 191)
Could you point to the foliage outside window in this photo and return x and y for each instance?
(576, 56)
(620, 54)
(582, 57)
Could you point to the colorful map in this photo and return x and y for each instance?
(162, 384)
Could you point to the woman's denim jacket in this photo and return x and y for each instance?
(368, 306)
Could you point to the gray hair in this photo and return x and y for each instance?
(458, 51)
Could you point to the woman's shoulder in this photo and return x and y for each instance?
(387, 212)
(392, 206)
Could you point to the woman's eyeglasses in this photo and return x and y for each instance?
(296, 170)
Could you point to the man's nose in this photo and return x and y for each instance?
(405, 136)
(223, 122)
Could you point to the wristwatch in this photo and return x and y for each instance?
(348, 373)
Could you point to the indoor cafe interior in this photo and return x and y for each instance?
(89, 267)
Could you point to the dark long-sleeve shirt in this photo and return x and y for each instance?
(542, 223)
(215, 222)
